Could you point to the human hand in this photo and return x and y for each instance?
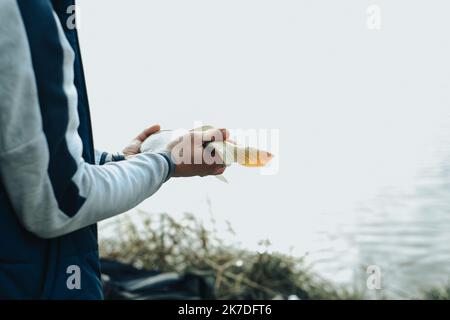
(134, 147)
(191, 156)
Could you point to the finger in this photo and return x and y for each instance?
(148, 132)
(215, 167)
(215, 135)
(218, 171)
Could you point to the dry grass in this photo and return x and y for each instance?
(165, 244)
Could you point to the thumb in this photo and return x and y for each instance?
(148, 132)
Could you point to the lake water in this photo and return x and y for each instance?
(405, 231)
(403, 226)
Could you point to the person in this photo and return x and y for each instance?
(54, 186)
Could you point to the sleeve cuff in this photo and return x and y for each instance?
(172, 164)
(110, 157)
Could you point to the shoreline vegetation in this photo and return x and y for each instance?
(162, 243)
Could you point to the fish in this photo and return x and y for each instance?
(228, 151)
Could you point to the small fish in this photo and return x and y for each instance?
(228, 151)
(246, 156)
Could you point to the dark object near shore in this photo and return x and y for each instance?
(124, 282)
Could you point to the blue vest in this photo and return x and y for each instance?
(31, 267)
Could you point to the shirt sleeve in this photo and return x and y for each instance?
(53, 196)
(103, 157)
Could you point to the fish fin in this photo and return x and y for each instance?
(222, 178)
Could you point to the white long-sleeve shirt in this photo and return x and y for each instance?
(49, 199)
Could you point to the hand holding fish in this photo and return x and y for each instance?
(204, 151)
(191, 156)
